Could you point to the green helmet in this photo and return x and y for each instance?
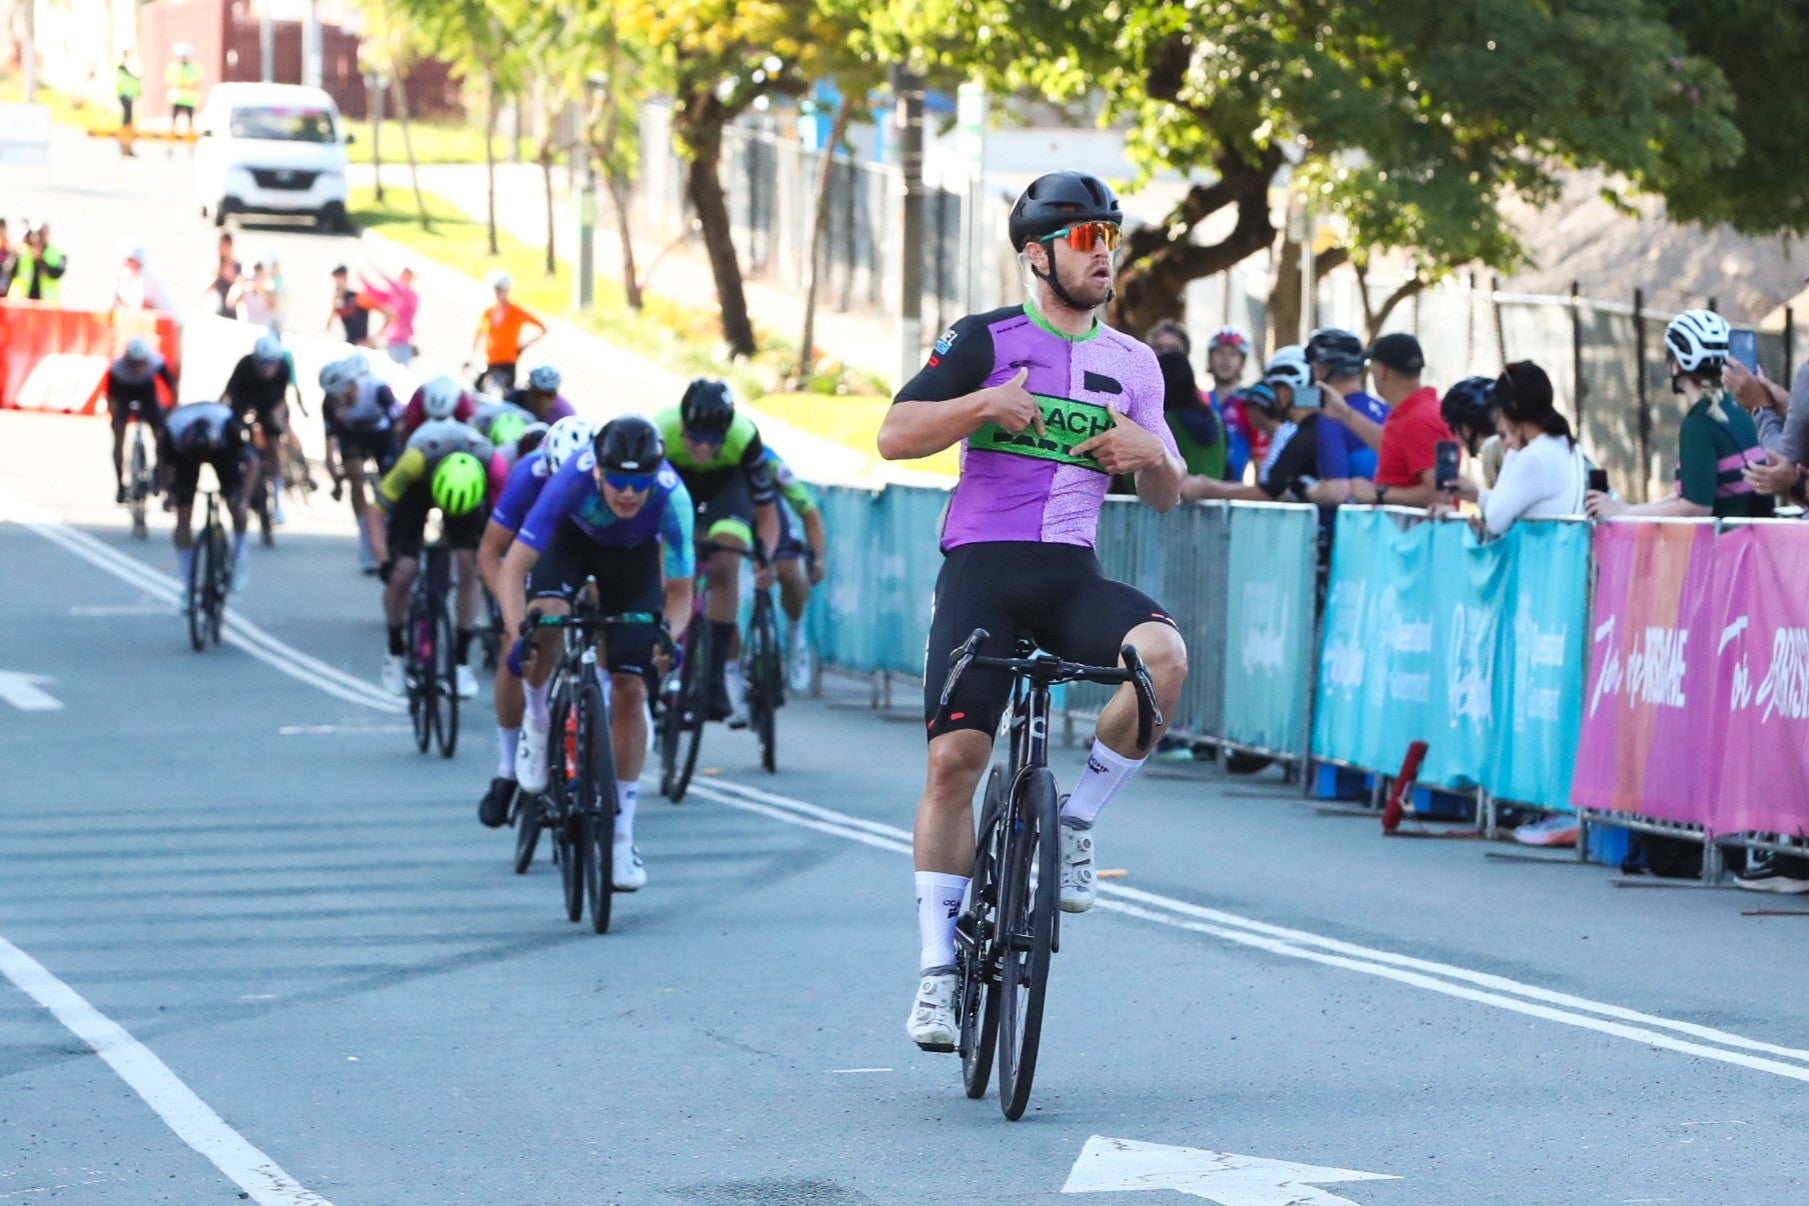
(506, 428)
(458, 484)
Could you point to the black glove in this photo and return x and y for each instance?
(386, 569)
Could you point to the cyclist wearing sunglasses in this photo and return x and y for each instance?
(718, 455)
(1047, 402)
(616, 512)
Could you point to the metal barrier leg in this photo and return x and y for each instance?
(1714, 862)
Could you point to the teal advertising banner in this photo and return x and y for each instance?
(1542, 673)
(1269, 626)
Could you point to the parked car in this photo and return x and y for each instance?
(271, 149)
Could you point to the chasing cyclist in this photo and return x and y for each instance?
(359, 412)
(719, 457)
(606, 514)
(445, 464)
(541, 397)
(259, 389)
(193, 435)
(131, 387)
(526, 481)
(1048, 402)
(800, 562)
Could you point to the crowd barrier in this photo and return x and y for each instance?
(53, 358)
(1697, 705)
(1250, 647)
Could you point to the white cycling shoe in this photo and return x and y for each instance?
(1079, 886)
(530, 760)
(630, 872)
(466, 681)
(931, 1023)
(392, 678)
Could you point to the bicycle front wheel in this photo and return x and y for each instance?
(597, 798)
(978, 1002)
(567, 815)
(765, 682)
(195, 599)
(446, 697)
(527, 830)
(693, 710)
(140, 489)
(219, 571)
(1029, 893)
(418, 666)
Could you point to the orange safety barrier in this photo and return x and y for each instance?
(56, 359)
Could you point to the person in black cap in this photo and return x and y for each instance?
(1406, 465)
(349, 309)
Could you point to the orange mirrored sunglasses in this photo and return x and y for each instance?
(1083, 236)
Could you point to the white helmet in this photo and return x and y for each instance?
(440, 397)
(1697, 340)
(336, 376)
(1288, 367)
(183, 50)
(567, 437)
(496, 278)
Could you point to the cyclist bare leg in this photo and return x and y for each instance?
(722, 570)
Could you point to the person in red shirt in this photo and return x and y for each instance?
(1407, 462)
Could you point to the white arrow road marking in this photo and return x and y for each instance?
(22, 692)
(1125, 1165)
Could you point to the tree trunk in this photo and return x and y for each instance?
(1161, 259)
(376, 130)
(490, 159)
(408, 147)
(703, 185)
(546, 172)
(619, 201)
(819, 237)
(1374, 318)
(1285, 299)
(603, 149)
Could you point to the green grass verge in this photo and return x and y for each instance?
(433, 143)
(837, 404)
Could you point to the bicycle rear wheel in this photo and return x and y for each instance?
(219, 579)
(764, 681)
(140, 488)
(977, 1004)
(1029, 892)
(527, 830)
(570, 834)
(195, 599)
(692, 712)
(418, 666)
(596, 800)
(445, 673)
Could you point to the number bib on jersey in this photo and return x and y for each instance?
(1066, 423)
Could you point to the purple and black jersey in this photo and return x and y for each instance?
(1026, 487)
(572, 496)
(520, 492)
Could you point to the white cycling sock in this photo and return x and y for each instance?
(1106, 773)
(506, 741)
(939, 899)
(628, 794)
(602, 673)
(537, 718)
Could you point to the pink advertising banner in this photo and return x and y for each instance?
(1697, 707)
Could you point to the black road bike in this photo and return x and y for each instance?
(578, 807)
(1010, 925)
(209, 579)
(765, 677)
(683, 704)
(428, 665)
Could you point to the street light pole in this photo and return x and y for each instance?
(266, 43)
(909, 89)
(311, 51)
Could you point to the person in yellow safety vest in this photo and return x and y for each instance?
(129, 88)
(41, 268)
(183, 82)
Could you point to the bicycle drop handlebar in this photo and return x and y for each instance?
(1047, 670)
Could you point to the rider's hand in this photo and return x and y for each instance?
(817, 570)
(1333, 403)
(763, 575)
(1126, 448)
(386, 569)
(1012, 406)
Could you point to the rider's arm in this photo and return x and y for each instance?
(1158, 483)
(948, 401)
(511, 589)
(490, 552)
(765, 497)
(407, 471)
(678, 538)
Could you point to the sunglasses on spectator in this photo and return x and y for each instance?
(1084, 236)
(632, 483)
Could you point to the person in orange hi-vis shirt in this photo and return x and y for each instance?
(499, 334)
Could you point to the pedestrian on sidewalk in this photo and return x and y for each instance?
(136, 289)
(226, 274)
(349, 309)
(499, 334)
(129, 88)
(183, 83)
(397, 301)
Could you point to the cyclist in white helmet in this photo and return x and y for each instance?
(360, 414)
(520, 492)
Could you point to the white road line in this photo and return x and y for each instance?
(1495, 991)
(192, 1119)
(239, 632)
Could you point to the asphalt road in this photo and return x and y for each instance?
(330, 986)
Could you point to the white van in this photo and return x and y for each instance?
(271, 149)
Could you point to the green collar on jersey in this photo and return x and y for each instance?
(1036, 317)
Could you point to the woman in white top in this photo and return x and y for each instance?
(1544, 475)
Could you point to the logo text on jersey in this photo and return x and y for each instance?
(1066, 423)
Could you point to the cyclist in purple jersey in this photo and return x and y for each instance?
(1047, 403)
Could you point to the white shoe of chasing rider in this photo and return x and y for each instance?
(630, 871)
(467, 681)
(393, 678)
(1079, 887)
(931, 1024)
(799, 664)
(530, 760)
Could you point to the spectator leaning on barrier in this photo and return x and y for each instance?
(1291, 467)
(41, 266)
(1717, 439)
(1469, 411)
(1337, 358)
(1192, 418)
(1407, 461)
(1227, 352)
(1765, 400)
(1544, 475)
(1786, 470)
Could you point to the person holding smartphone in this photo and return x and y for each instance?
(1544, 475)
(1407, 461)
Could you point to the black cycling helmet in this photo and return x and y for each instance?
(202, 438)
(629, 444)
(1468, 408)
(1061, 199)
(1337, 351)
(707, 408)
